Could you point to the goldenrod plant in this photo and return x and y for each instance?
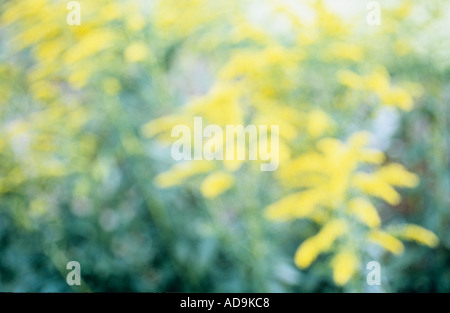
(328, 177)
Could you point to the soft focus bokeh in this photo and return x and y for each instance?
(86, 173)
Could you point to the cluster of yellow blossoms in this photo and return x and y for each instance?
(325, 179)
(67, 66)
(267, 78)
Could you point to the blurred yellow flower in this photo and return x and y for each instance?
(79, 78)
(397, 175)
(418, 234)
(182, 171)
(344, 266)
(397, 97)
(387, 241)
(319, 122)
(343, 51)
(137, 52)
(322, 242)
(349, 79)
(135, 22)
(215, 184)
(365, 212)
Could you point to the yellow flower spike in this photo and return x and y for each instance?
(397, 175)
(371, 156)
(239, 64)
(110, 11)
(378, 81)
(182, 18)
(328, 22)
(92, 43)
(273, 113)
(344, 266)
(306, 253)
(397, 97)
(43, 90)
(418, 234)
(363, 210)
(329, 146)
(343, 51)
(331, 231)
(307, 37)
(182, 171)
(284, 152)
(308, 162)
(282, 209)
(402, 47)
(310, 249)
(318, 123)
(387, 241)
(135, 22)
(404, 10)
(232, 165)
(220, 106)
(216, 183)
(245, 31)
(49, 50)
(372, 184)
(297, 205)
(349, 79)
(319, 216)
(12, 13)
(293, 17)
(137, 52)
(79, 78)
(359, 139)
(164, 125)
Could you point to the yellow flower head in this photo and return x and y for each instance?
(418, 234)
(137, 52)
(313, 246)
(344, 266)
(216, 184)
(363, 210)
(387, 241)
